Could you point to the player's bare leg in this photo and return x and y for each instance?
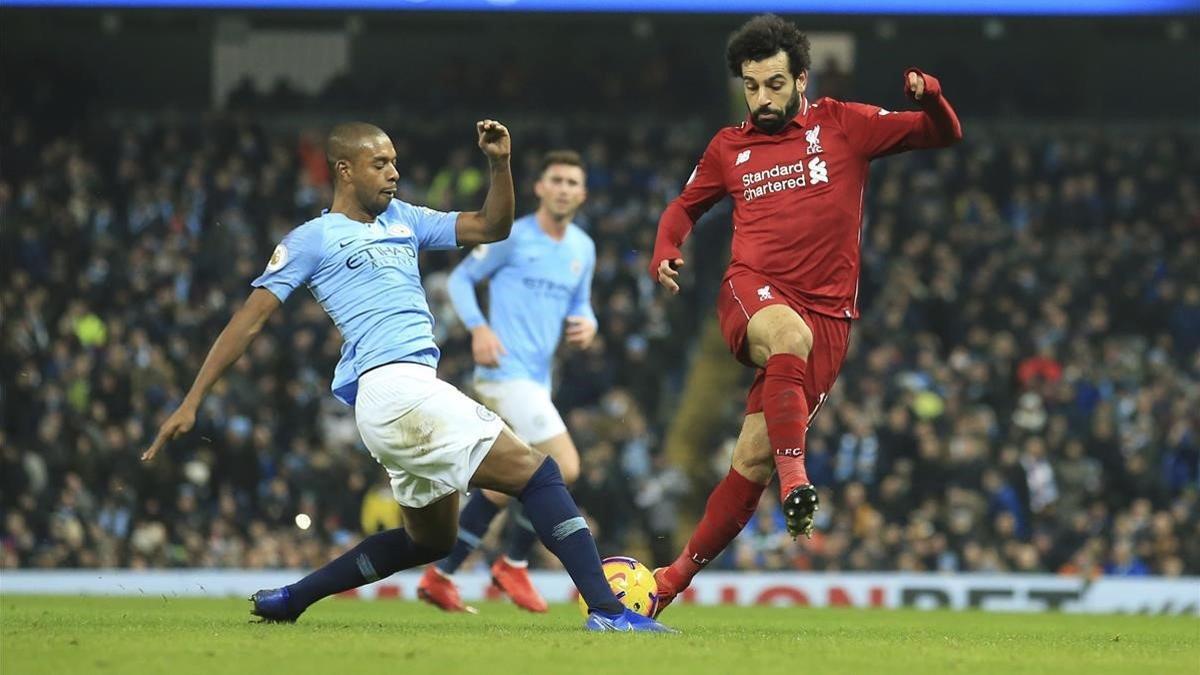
(510, 571)
(427, 535)
(779, 341)
(560, 448)
(729, 508)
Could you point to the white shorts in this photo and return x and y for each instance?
(525, 405)
(428, 435)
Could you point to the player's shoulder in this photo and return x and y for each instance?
(730, 132)
(525, 224)
(405, 213)
(311, 233)
(581, 237)
(831, 108)
(524, 230)
(398, 209)
(826, 107)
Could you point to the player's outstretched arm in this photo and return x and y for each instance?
(705, 187)
(940, 126)
(494, 221)
(876, 132)
(246, 323)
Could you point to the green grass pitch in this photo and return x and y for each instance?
(179, 636)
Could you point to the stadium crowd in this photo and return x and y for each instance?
(1023, 391)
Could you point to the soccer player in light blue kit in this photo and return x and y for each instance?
(540, 281)
(359, 260)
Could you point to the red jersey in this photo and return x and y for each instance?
(798, 194)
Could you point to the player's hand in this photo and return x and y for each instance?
(493, 139)
(667, 271)
(486, 346)
(580, 331)
(916, 85)
(179, 423)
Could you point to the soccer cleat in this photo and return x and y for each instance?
(628, 621)
(799, 507)
(665, 593)
(273, 605)
(515, 582)
(439, 590)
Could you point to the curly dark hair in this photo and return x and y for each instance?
(763, 37)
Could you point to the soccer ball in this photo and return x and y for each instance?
(631, 582)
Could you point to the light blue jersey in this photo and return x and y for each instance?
(535, 284)
(365, 275)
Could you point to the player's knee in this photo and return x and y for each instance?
(796, 340)
(791, 338)
(569, 467)
(498, 499)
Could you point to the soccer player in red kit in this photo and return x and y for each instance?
(796, 171)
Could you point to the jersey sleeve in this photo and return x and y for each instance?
(706, 185)
(293, 262)
(434, 229)
(484, 261)
(581, 299)
(874, 131)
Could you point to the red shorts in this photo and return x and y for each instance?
(742, 294)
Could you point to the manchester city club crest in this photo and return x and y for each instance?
(399, 230)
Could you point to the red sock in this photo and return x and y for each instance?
(786, 413)
(729, 508)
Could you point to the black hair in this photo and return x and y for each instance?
(765, 36)
(345, 140)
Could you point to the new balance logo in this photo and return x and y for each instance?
(813, 137)
(764, 293)
(742, 157)
(700, 560)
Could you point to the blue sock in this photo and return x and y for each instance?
(376, 557)
(556, 518)
(473, 523)
(522, 537)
